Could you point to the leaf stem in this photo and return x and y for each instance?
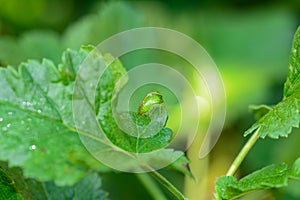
(168, 185)
(241, 156)
(151, 186)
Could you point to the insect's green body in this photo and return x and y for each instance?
(149, 101)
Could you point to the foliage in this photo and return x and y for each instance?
(15, 186)
(38, 131)
(274, 122)
(273, 176)
(36, 116)
(285, 115)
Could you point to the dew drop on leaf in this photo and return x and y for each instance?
(32, 147)
(1, 119)
(26, 103)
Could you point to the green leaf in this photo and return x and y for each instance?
(128, 142)
(37, 128)
(141, 134)
(8, 188)
(273, 176)
(143, 125)
(295, 172)
(88, 188)
(39, 134)
(280, 120)
(15, 186)
(21, 187)
(259, 110)
(292, 83)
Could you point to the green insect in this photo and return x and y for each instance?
(149, 101)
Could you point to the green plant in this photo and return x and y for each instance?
(38, 133)
(274, 122)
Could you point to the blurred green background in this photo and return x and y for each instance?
(249, 41)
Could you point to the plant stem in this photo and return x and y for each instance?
(168, 185)
(241, 156)
(151, 186)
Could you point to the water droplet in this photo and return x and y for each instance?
(1, 119)
(26, 103)
(39, 111)
(294, 50)
(22, 122)
(10, 113)
(29, 119)
(8, 125)
(32, 147)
